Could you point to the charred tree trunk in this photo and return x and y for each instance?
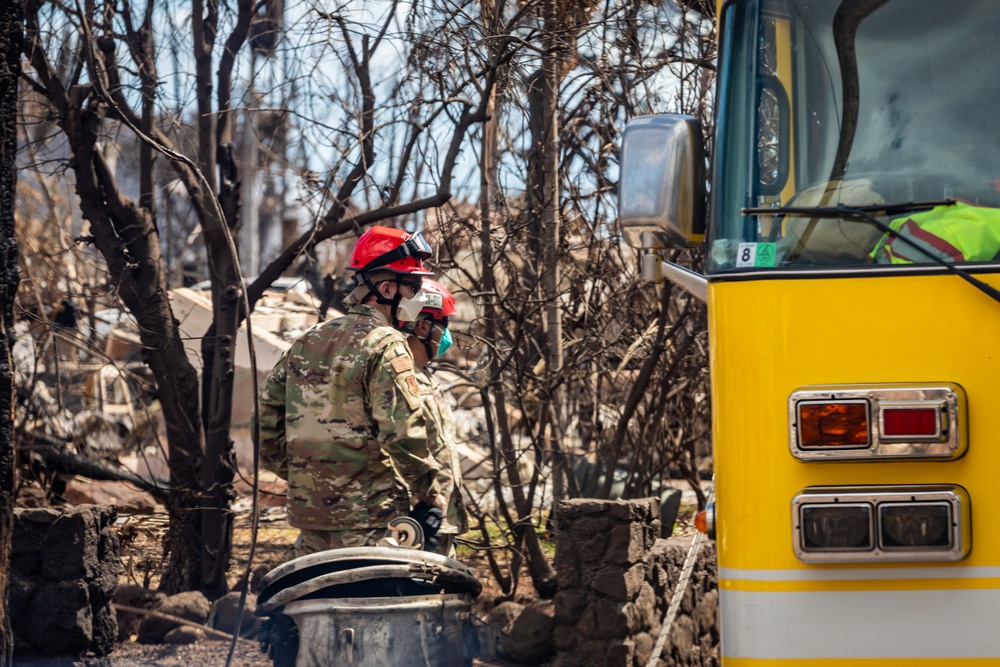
(126, 237)
(551, 219)
(534, 188)
(220, 220)
(542, 575)
(11, 16)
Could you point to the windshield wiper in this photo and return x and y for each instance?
(841, 210)
(891, 208)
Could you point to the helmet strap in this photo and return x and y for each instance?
(428, 343)
(410, 329)
(393, 303)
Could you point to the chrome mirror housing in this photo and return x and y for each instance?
(661, 186)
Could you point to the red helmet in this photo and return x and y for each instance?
(440, 302)
(389, 249)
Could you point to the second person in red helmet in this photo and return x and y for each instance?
(429, 338)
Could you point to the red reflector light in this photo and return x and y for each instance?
(909, 422)
(841, 424)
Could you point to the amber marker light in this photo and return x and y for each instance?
(833, 424)
(704, 521)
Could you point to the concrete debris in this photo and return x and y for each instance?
(278, 318)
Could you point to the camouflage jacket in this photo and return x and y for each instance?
(441, 431)
(341, 420)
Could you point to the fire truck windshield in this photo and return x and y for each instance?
(856, 103)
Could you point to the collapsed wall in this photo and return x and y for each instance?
(64, 569)
(616, 580)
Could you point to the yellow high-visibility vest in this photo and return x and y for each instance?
(958, 233)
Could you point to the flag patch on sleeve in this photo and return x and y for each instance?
(402, 363)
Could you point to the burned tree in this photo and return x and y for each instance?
(124, 231)
(11, 17)
(630, 377)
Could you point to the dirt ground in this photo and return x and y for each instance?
(274, 538)
(207, 654)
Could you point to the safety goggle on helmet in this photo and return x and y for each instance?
(390, 249)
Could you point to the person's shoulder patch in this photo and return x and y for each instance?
(411, 382)
(402, 363)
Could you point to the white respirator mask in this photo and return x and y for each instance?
(409, 309)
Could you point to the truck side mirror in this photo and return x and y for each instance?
(661, 185)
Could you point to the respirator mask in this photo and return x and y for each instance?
(409, 309)
(444, 343)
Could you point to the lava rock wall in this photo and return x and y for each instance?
(64, 570)
(616, 580)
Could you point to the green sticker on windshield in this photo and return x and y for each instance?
(766, 253)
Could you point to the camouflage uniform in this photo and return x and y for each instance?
(340, 419)
(312, 541)
(441, 432)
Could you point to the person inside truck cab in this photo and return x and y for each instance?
(960, 232)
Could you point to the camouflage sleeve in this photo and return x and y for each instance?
(446, 453)
(396, 410)
(440, 430)
(271, 420)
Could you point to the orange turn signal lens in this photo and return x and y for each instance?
(833, 424)
(704, 521)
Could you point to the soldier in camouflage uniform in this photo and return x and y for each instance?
(429, 339)
(340, 414)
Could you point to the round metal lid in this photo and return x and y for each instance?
(365, 572)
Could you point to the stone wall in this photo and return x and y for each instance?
(616, 580)
(64, 569)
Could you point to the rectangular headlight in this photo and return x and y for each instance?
(914, 525)
(871, 524)
(838, 526)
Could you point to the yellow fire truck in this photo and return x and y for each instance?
(851, 222)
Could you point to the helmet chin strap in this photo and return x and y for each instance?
(412, 331)
(427, 345)
(393, 302)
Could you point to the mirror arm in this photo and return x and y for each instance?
(655, 269)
